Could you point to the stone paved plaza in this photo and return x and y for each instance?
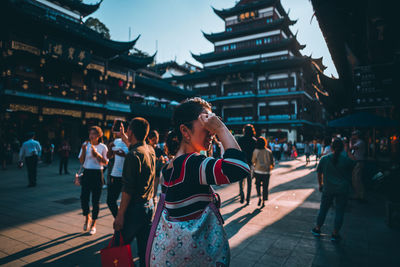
(42, 226)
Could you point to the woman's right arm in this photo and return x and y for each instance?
(82, 154)
(254, 158)
(215, 126)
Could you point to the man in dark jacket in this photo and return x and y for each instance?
(247, 143)
(136, 208)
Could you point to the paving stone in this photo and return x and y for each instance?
(43, 232)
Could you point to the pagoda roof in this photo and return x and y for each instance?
(30, 11)
(331, 92)
(161, 68)
(277, 24)
(78, 6)
(133, 61)
(245, 6)
(161, 87)
(271, 65)
(286, 43)
(318, 63)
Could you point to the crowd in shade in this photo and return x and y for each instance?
(166, 189)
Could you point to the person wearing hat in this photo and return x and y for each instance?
(30, 152)
(358, 151)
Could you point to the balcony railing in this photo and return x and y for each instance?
(239, 119)
(239, 93)
(281, 117)
(145, 110)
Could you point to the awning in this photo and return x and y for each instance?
(151, 98)
(363, 120)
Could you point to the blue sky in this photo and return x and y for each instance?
(176, 26)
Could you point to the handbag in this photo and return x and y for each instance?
(78, 176)
(117, 255)
(198, 242)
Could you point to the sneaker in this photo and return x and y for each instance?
(92, 231)
(316, 232)
(336, 238)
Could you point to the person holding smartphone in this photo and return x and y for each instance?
(93, 157)
(117, 150)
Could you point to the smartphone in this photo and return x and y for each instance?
(117, 125)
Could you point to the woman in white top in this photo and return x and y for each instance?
(263, 162)
(93, 156)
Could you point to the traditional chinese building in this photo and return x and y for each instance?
(58, 76)
(257, 74)
(365, 50)
(171, 68)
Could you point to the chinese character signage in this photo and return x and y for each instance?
(373, 86)
(67, 52)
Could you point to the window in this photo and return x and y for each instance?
(225, 48)
(267, 40)
(248, 15)
(269, 20)
(233, 46)
(258, 42)
(229, 29)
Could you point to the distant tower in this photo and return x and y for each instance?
(257, 74)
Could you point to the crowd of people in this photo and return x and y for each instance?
(199, 152)
(137, 165)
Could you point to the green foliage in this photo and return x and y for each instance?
(96, 25)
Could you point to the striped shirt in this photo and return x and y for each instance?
(189, 180)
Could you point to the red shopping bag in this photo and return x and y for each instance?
(117, 255)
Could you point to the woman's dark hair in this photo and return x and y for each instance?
(261, 143)
(249, 131)
(327, 141)
(337, 147)
(187, 112)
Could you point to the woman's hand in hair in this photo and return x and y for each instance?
(211, 122)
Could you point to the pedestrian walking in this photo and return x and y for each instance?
(189, 216)
(286, 151)
(247, 143)
(358, 152)
(263, 163)
(64, 150)
(307, 151)
(136, 207)
(334, 180)
(293, 154)
(152, 141)
(117, 150)
(327, 146)
(93, 157)
(276, 150)
(30, 152)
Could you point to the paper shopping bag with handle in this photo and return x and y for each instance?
(117, 254)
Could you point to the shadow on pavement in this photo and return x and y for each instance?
(47, 245)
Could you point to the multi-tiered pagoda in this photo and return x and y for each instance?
(58, 76)
(257, 74)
